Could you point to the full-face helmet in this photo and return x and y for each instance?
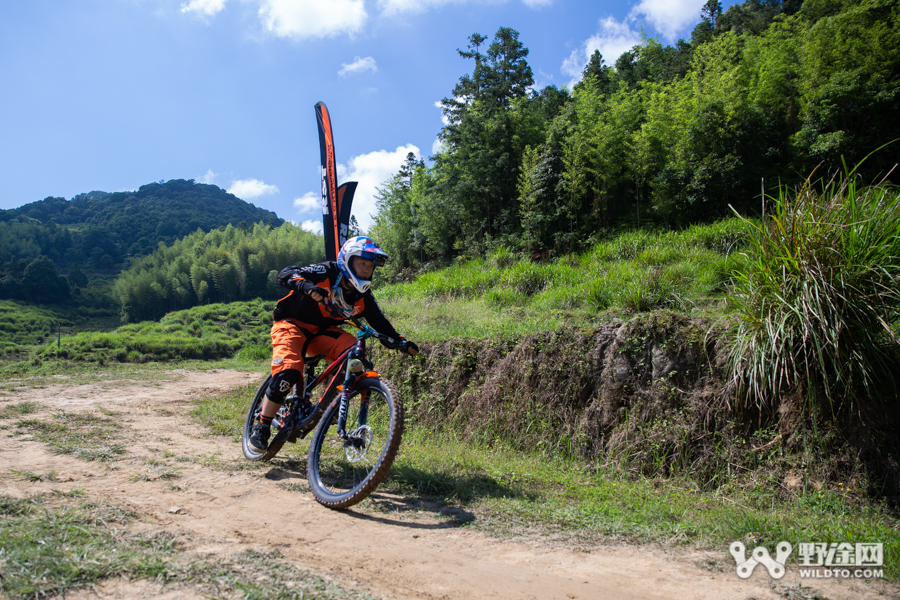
(363, 247)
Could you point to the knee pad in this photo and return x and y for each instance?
(281, 383)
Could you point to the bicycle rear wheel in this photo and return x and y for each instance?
(251, 419)
(342, 472)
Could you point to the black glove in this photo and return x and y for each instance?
(405, 346)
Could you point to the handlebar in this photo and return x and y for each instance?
(365, 331)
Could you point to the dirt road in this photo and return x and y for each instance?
(385, 548)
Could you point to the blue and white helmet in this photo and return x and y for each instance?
(363, 247)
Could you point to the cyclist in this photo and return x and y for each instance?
(304, 326)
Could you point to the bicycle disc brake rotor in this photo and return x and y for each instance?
(357, 443)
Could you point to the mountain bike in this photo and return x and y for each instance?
(359, 417)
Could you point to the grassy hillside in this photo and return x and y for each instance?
(25, 328)
(93, 236)
(503, 294)
(584, 394)
(208, 332)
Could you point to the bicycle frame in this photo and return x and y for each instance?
(292, 428)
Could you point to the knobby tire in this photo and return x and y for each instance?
(339, 477)
(252, 415)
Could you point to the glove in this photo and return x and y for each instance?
(408, 347)
(322, 294)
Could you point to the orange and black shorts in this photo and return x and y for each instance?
(292, 341)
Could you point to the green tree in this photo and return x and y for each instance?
(674, 134)
(597, 73)
(42, 282)
(542, 197)
(223, 265)
(77, 278)
(709, 19)
(478, 171)
(395, 221)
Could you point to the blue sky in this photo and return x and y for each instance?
(112, 94)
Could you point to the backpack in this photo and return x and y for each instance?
(286, 274)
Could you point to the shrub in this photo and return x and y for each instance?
(816, 298)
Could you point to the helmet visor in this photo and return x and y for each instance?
(378, 259)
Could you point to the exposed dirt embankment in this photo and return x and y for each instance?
(647, 394)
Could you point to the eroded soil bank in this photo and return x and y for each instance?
(390, 547)
(649, 395)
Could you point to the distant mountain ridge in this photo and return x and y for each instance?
(137, 221)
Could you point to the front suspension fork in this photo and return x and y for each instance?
(354, 369)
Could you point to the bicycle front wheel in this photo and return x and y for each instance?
(343, 471)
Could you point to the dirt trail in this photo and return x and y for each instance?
(387, 548)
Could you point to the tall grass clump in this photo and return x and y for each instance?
(819, 299)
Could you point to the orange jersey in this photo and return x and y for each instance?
(299, 306)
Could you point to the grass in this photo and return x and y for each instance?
(50, 547)
(33, 477)
(489, 486)
(51, 544)
(508, 295)
(513, 493)
(17, 410)
(267, 576)
(224, 414)
(84, 435)
(156, 473)
(239, 330)
(35, 372)
(819, 298)
(24, 326)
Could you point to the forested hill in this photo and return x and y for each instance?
(135, 222)
(56, 246)
(765, 92)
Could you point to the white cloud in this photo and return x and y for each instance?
(371, 171)
(245, 189)
(612, 39)
(310, 201)
(436, 146)
(312, 226)
(670, 17)
(203, 7)
(396, 7)
(208, 177)
(300, 19)
(359, 65)
(444, 118)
